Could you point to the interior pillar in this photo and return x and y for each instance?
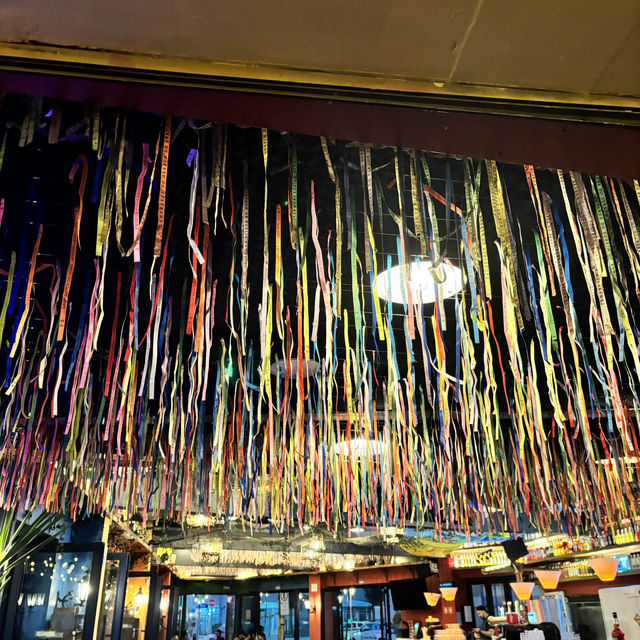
(315, 611)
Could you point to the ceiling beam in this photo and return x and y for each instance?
(588, 137)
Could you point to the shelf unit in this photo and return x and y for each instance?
(620, 549)
(622, 574)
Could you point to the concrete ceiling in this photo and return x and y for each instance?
(584, 50)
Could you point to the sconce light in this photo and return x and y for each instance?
(309, 606)
(340, 598)
(548, 578)
(605, 567)
(138, 599)
(449, 593)
(431, 598)
(523, 589)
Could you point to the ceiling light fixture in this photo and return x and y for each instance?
(422, 278)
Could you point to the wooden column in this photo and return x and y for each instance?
(315, 612)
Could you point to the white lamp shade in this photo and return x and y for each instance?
(422, 278)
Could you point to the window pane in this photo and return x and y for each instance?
(497, 593)
(278, 608)
(136, 602)
(206, 614)
(303, 617)
(478, 596)
(362, 613)
(53, 595)
(109, 592)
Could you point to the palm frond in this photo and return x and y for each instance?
(18, 541)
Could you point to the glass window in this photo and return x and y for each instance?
(392, 611)
(205, 614)
(478, 597)
(497, 596)
(53, 595)
(303, 616)
(248, 605)
(136, 603)
(109, 593)
(361, 613)
(279, 610)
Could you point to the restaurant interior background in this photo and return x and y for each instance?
(324, 337)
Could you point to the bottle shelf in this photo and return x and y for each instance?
(622, 574)
(629, 547)
(619, 549)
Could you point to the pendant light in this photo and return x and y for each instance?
(449, 593)
(548, 578)
(138, 599)
(422, 278)
(523, 589)
(605, 567)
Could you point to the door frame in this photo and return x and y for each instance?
(385, 608)
(486, 581)
(121, 588)
(151, 622)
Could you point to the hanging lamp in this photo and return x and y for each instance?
(605, 567)
(422, 278)
(548, 578)
(449, 593)
(523, 589)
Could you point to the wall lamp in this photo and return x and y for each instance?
(309, 606)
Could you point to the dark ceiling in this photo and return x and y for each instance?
(35, 185)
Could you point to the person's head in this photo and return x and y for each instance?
(261, 629)
(218, 633)
(482, 612)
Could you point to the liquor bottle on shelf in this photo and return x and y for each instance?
(617, 633)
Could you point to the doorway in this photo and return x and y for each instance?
(358, 613)
(113, 595)
(283, 614)
(489, 592)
